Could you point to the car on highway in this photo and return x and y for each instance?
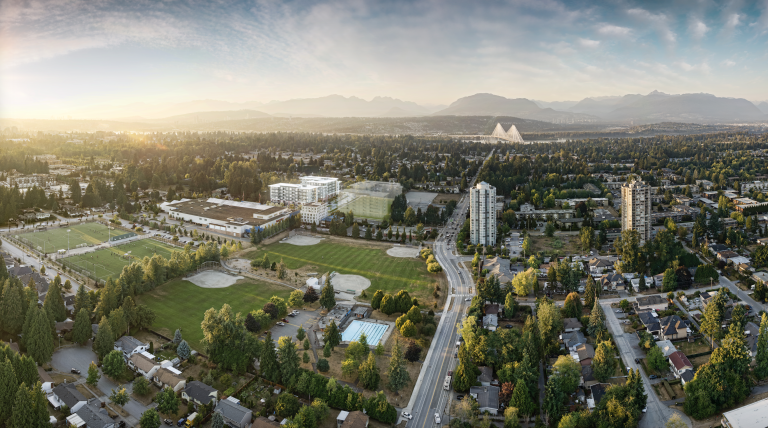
(437, 418)
(468, 299)
(406, 415)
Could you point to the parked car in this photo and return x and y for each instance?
(280, 323)
(291, 314)
(459, 397)
(618, 311)
(653, 376)
(508, 326)
(407, 415)
(168, 422)
(437, 418)
(181, 422)
(284, 320)
(637, 360)
(75, 371)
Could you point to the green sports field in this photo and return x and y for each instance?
(55, 238)
(181, 304)
(387, 273)
(109, 262)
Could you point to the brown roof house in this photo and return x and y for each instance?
(170, 377)
(680, 363)
(144, 364)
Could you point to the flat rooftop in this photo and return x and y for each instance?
(232, 212)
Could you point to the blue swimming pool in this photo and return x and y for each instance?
(373, 332)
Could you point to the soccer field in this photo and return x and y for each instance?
(109, 262)
(55, 238)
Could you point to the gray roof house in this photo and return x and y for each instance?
(234, 414)
(94, 416)
(487, 398)
(68, 395)
(199, 393)
(130, 345)
(486, 375)
(572, 339)
(571, 324)
(491, 322)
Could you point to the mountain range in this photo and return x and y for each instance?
(654, 107)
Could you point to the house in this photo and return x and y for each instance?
(356, 419)
(680, 363)
(707, 298)
(143, 364)
(64, 326)
(635, 282)
(92, 415)
(46, 382)
(612, 281)
(751, 415)
(487, 398)
(598, 391)
(491, 322)
(129, 345)
(572, 339)
(654, 303)
(687, 376)
(571, 325)
(492, 309)
(598, 265)
(658, 280)
(667, 348)
(486, 376)
(672, 327)
(751, 331)
(716, 248)
(732, 257)
(66, 394)
(167, 376)
(199, 393)
(235, 415)
(587, 378)
(586, 353)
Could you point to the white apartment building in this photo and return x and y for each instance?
(636, 209)
(293, 193)
(27, 181)
(749, 185)
(482, 214)
(328, 186)
(314, 212)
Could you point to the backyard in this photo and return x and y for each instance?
(387, 273)
(109, 262)
(181, 304)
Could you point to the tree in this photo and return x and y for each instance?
(38, 336)
(388, 305)
(251, 324)
(331, 335)
(93, 374)
(81, 330)
(270, 309)
(268, 359)
(167, 401)
(104, 342)
(549, 229)
(327, 296)
(587, 237)
(11, 306)
(114, 364)
(656, 359)
(413, 352)
(265, 264)
(82, 301)
(119, 397)
(591, 292)
(54, 302)
(414, 314)
(183, 350)
(296, 299)
(549, 322)
(141, 386)
(568, 371)
(177, 337)
(8, 388)
(670, 280)
(510, 305)
(511, 418)
(23, 412)
(604, 363)
(596, 325)
(572, 307)
(288, 357)
(376, 299)
(524, 282)
(408, 329)
(397, 373)
(521, 399)
(761, 359)
(675, 421)
(310, 296)
(150, 419)
(322, 365)
(369, 373)
(287, 405)
(711, 326)
(300, 333)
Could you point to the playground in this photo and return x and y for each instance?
(108, 262)
(62, 238)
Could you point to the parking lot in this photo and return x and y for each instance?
(306, 318)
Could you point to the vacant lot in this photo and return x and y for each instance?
(55, 238)
(109, 262)
(387, 273)
(562, 244)
(697, 347)
(181, 304)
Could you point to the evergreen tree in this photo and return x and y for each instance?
(268, 360)
(328, 295)
(596, 325)
(82, 301)
(521, 399)
(38, 338)
(604, 363)
(590, 292)
(572, 307)
(310, 296)
(397, 373)
(363, 340)
(331, 335)
(177, 337)
(23, 408)
(711, 326)
(8, 388)
(11, 307)
(54, 302)
(376, 300)
(104, 342)
(26, 370)
(369, 373)
(288, 358)
(183, 350)
(761, 360)
(510, 305)
(81, 330)
(388, 305)
(217, 421)
(93, 374)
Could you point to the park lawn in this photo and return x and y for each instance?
(55, 238)
(387, 273)
(109, 262)
(181, 304)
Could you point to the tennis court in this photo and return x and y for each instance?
(109, 262)
(58, 238)
(373, 332)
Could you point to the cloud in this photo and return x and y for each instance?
(702, 67)
(659, 21)
(587, 43)
(698, 29)
(728, 63)
(610, 30)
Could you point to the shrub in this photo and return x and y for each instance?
(322, 365)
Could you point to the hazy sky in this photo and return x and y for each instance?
(59, 56)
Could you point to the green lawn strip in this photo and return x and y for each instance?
(111, 260)
(181, 304)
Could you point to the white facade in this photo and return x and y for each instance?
(636, 209)
(329, 187)
(482, 214)
(314, 212)
(293, 193)
(759, 185)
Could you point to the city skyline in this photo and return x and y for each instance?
(58, 57)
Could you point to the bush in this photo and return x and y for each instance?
(322, 365)
(428, 329)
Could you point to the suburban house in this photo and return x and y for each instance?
(235, 415)
(672, 327)
(612, 281)
(687, 376)
(91, 415)
(487, 398)
(732, 257)
(587, 378)
(751, 330)
(679, 363)
(585, 352)
(654, 303)
(144, 364)
(486, 376)
(572, 339)
(706, 298)
(571, 325)
(199, 393)
(356, 419)
(650, 320)
(491, 322)
(598, 265)
(129, 345)
(635, 282)
(598, 392)
(66, 394)
(667, 348)
(167, 376)
(46, 382)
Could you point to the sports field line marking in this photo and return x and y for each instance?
(360, 272)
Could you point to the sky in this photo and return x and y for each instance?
(64, 57)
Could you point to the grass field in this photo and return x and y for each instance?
(109, 262)
(181, 304)
(389, 274)
(55, 238)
